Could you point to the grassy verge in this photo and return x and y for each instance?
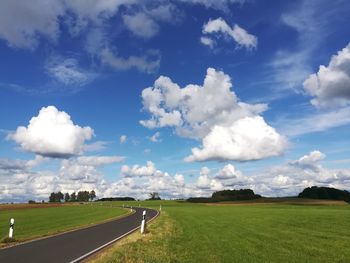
(255, 233)
(35, 223)
(153, 246)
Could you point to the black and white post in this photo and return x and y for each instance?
(143, 223)
(12, 226)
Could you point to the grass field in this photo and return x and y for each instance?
(240, 233)
(38, 221)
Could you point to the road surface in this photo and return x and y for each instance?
(76, 245)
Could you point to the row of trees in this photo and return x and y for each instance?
(81, 196)
(227, 195)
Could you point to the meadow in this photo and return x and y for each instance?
(268, 232)
(32, 221)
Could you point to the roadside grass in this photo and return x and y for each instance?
(34, 223)
(153, 246)
(255, 233)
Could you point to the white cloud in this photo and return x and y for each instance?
(314, 122)
(22, 24)
(155, 137)
(67, 72)
(215, 4)
(141, 25)
(313, 22)
(95, 146)
(330, 86)
(309, 161)
(166, 12)
(138, 171)
(292, 177)
(207, 41)
(52, 134)
(236, 33)
(146, 63)
(75, 174)
(145, 22)
(18, 182)
(201, 112)
(99, 160)
(123, 139)
(247, 139)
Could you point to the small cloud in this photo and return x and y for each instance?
(95, 146)
(148, 63)
(236, 33)
(67, 72)
(147, 151)
(207, 41)
(141, 25)
(123, 139)
(155, 137)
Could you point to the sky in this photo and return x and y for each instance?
(178, 97)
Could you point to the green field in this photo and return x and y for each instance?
(37, 222)
(240, 233)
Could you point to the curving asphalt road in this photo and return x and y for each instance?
(76, 245)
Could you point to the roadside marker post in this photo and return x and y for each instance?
(12, 226)
(160, 207)
(143, 223)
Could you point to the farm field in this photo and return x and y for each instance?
(188, 232)
(32, 221)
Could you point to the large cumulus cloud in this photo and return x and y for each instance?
(330, 86)
(230, 129)
(52, 134)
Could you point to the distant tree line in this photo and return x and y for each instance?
(329, 193)
(116, 199)
(227, 195)
(81, 196)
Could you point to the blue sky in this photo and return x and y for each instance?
(179, 97)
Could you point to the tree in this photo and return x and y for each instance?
(56, 197)
(83, 196)
(92, 195)
(73, 197)
(154, 196)
(66, 197)
(59, 196)
(52, 197)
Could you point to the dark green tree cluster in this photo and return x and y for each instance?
(56, 197)
(116, 199)
(329, 193)
(226, 195)
(81, 196)
(233, 195)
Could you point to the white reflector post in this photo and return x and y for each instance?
(143, 223)
(12, 225)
